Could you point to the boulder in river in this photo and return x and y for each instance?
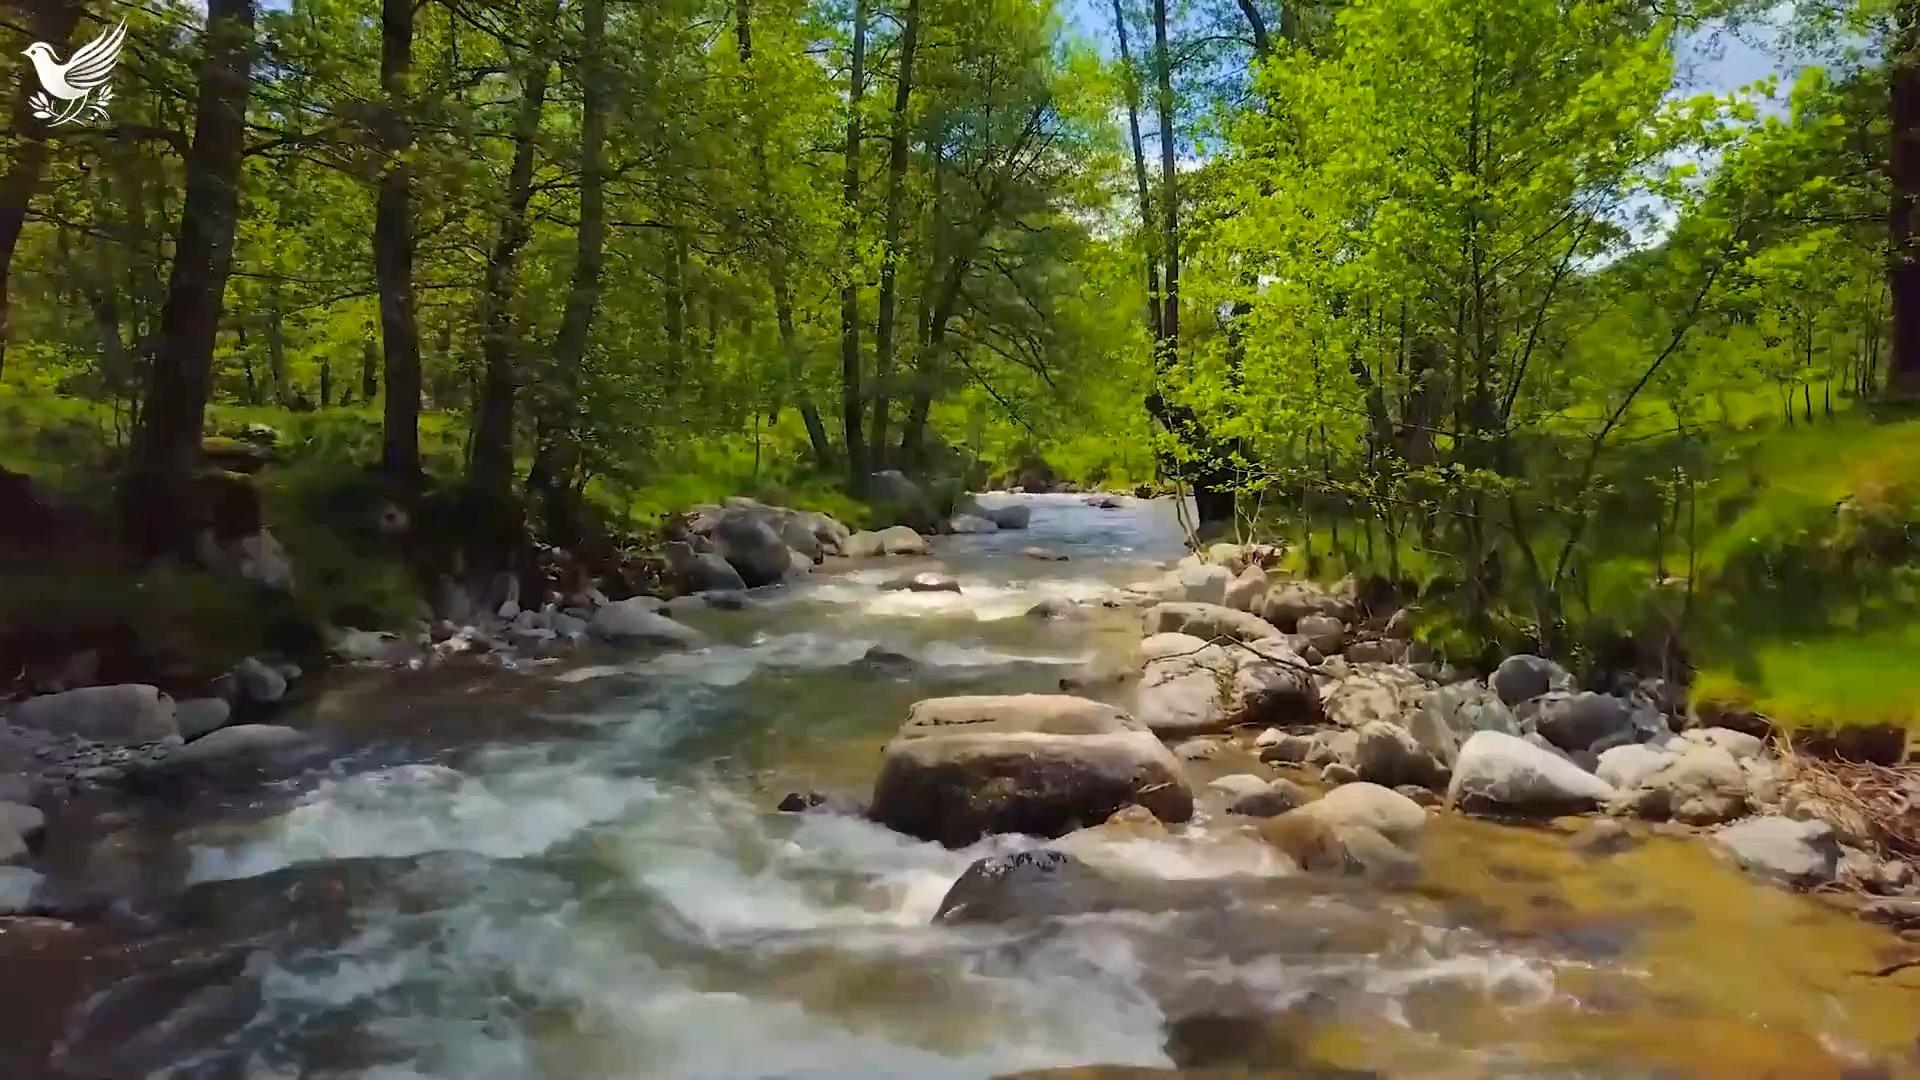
(963, 524)
(750, 541)
(901, 540)
(964, 767)
(1699, 784)
(1387, 754)
(1201, 583)
(922, 582)
(198, 716)
(635, 621)
(259, 682)
(1502, 772)
(1388, 812)
(1452, 714)
(240, 749)
(1025, 885)
(1579, 721)
(20, 829)
(702, 571)
(1274, 797)
(1286, 604)
(125, 713)
(1321, 845)
(1357, 698)
(1247, 591)
(1008, 516)
(1208, 621)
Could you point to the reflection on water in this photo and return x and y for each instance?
(586, 881)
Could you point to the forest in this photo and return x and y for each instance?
(1495, 302)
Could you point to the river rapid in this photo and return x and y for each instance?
(574, 869)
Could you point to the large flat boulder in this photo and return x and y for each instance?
(1043, 764)
(126, 713)
(635, 622)
(1794, 852)
(1208, 621)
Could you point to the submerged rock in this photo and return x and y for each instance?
(702, 571)
(1387, 812)
(923, 582)
(964, 767)
(963, 524)
(1498, 771)
(1275, 797)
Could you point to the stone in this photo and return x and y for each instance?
(679, 607)
(1453, 713)
(1602, 837)
(892, 488)
(241, 747)
(901, 540)
(815, 802)
(1323, 632)
(1376, 652)
(630, 622)
(1274, 798)
(1802, 853)
(18, 885)
(1185, 688)
(751, 544)
(1524, 676)
(1386, 811)
(963, 524)
(377, 646)
(257, 557)
(1287, 604)
(1579, 721)
(728, 601)
(21, 827)
(567, 625)
(1288, 750)
(964, 767)
(1320, 846)
(1102, 502)
(1700, 785)
(1333, 746)
(259, 683)
(1203, 583)
(1025, 885)
(1238, 785)
(198, 716)
(1625, 767)
(1208, 621)
(124, 713)
(1008, 516)
(927, 581)
(1043, 554)
(1056, 608)
(799, 565)
(1737, 743)
(865, 544)
(1197, 750)
(1499, 771)
(1247, 591)
(1357, 698)
(1272, 686)
(1339, 772)
(1388, 755)
(702, 571)
(1399, 625)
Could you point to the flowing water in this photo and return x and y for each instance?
(574, 870)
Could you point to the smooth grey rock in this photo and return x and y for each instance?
(240, 744)
(1501, 771)
(1025, 885)
(1203, 583)
(627, 622)
(1376, 652)
(1581, 721)
(258, 682)
(1388, 812)
(198, 716)
(1008, 516)
(964, 524)
(1524, 676)
(1399, 625)
(1288, 750)
(1277, 797)
(1626, 766)
(1286, 604)
(1801, 853)
(1389, 755)
(927, 581)
(1339, 772)
(1351, 698)
(124, 713)
(702, 571)
(1238, 785)
(1323, 632)
(1737, 743)
(20, 829)
(901, 540)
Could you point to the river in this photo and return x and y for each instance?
(573, 869)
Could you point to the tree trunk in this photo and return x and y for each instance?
(277, 349)
(491, 467)
(851, 402)
(1141, 190)
(896, 190)
(1169, 190)
(393, 253)
(674, 318)
(166, 445)
(555, 462)
(1903, 267)
(369, 371)
(777, 260)
(52, 22)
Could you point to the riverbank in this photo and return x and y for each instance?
(567, 863)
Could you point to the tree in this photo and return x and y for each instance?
(52, 23)
(883, 336)
(851, 402)
(156, 495)
(393, 248)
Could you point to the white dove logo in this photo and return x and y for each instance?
(78, 88)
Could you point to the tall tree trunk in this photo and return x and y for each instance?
(277, 348)
(1169, 190)
(923, 373)
(883, 333)
(777, 257)
(157, 500)
(1141, 190)
(1903, 268)
(674, 317)
(52, 22)
(490, 468)
(555, 463)
(393, 252)
(851, 402)
(369, 371)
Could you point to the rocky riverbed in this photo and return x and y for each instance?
(1059, 796)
